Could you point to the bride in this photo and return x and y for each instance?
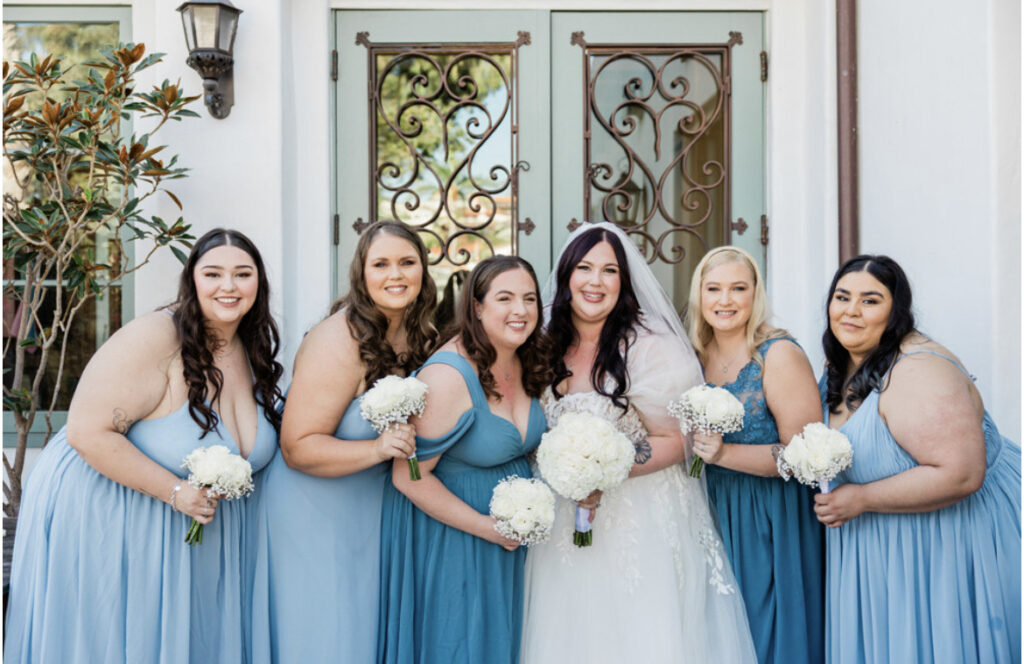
(655, 585)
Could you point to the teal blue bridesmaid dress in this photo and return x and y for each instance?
(101, 572)
(938, 587)
(316, 556)
(774, 541)
(448, 597)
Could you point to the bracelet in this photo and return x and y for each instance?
(174, 494)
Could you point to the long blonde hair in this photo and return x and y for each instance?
(758, 329)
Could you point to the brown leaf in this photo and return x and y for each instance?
(109, 80)
(173, 198)
(122, 155)
(149, 153)
(7, 68)
(137, 52)
(170, 93)
(136, 150)
(14, 104)
(49, 112)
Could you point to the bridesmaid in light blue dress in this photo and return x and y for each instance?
(101, 571)
(774, 541)
(316, 540)
(451, 586)
(924, 542)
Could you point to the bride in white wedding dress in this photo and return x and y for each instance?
(655, 586)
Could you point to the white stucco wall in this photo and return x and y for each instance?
(939, 151)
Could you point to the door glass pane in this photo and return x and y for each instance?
(443, 150)
(75, 43)
(657, 152)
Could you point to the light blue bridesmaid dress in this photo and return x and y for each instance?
(448, 597)
(101, 572)
(774, 541)
(316, 556)
(930, 587)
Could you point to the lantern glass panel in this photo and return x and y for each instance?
(206, 25)
(228, 23)
(186, 22)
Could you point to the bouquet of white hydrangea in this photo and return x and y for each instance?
(709, 410)
(393, 400)
(815, 456)
(219, 470)
(584, 453)
(524, 509)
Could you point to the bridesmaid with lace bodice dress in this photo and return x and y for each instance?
(451, 586)
(924, 528)
(316, 536)
(775, 543)
(101, 570)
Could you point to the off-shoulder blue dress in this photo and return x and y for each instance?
(774, 541)
(101, 572)
(316, 554)
(939, 587)
(448, 597)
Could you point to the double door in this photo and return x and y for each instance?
(501, 131)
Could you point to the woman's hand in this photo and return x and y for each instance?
(200, 504)
(398, 441)
(492, 535)
(592, 502)
(708, 446)
(842, 504)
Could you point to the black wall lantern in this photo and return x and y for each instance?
(210, 36)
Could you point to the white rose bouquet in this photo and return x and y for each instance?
(524, 509)
(216, 468)
(391, 400)
(709, 410)
(584, 453)
(815, 456)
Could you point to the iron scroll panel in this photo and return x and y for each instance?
(686, 193)
(444, 145)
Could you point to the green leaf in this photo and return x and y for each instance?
(180, 255)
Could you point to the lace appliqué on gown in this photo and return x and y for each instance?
(667, 494)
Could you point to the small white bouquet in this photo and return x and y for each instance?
(584, 453)
(709, 410)
(524, 509)
(220, 470)
(391, 400)
(815, 456)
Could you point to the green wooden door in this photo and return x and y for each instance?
(496, 131)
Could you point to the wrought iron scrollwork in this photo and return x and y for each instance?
(634, 192)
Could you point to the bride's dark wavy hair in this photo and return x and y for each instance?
(534, 354)
(257, 332)
(618, 332)
(872, 371)
(369, 326)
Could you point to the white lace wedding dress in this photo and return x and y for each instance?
(656, 585)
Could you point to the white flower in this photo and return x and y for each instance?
(217, 468)
(817, 453)
(393, 399)
(584, 453)
(708, 409)
(524, 509)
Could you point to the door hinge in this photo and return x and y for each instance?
(337, 231)
(764, 229)
(764, 66)
(334, 65)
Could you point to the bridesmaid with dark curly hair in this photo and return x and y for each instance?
(101, 570)
(317, 531)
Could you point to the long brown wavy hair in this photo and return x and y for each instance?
(369, 326)
(534, 354)
(257, 332)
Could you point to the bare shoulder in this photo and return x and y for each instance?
(330, 339)
(926, 376)
(785, 352)
(151, 338)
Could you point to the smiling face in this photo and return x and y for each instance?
(727, 297)
(858, 313)
(594, 284)
(226, 284)
(510, 309)
(393, 274)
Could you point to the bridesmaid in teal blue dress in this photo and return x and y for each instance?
(774, 541)
(451, 586)
(924, 541)
(101, 570)
(316, 538)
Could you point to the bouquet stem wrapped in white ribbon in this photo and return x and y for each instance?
(523, 508)
(709, 410)
(815, 456)
(217, 469)
(393, 400)
(584, 453)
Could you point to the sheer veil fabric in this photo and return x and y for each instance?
(656, 585)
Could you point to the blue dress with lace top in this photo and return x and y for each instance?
(774, 541)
